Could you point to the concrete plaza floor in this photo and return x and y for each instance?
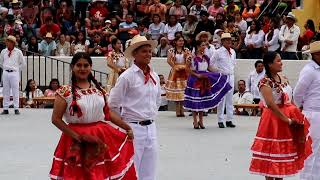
(27, 143)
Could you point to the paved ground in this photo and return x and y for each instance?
(27, 143)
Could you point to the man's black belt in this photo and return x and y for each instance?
(10, 70)
(143, 123)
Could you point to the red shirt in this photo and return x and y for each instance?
(99, 12)
(54, 29)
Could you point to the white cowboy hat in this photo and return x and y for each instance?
(49, 35)
(226, 36)
(18, 21)
(313, 48)
(136, 42)
(291, 16)
(15, 1)
(107, 21)
(203, 33)
(12, 39)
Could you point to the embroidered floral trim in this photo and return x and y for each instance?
(65, 91)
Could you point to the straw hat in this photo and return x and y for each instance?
(136, 42)
(15, 2)
(107, 21)
(313, 47)
(206, 33)
(226, 36)
(12, 39)
(18, 21)
(49, 35)
(291, 16)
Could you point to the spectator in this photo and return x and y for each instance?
(289, 35)
(32, 45)
(189, 28)
(46, 11)
(216, 40)
(231, 8)
(215, 9)
(63, 47)
(142, 30)
(31, 91)
(308, 35)
(97, 47)
(96, 28)
(254, 40)
(164, 101)
(251, 12)
(65, 17)
(123, 11)
(253, 80)
(48, 45)
(3, 13)
(29, 15)
(235, 34)
(205, 36)
(205, 24)
(266, 23)
(162, 48)
(240, 23)
(20, 44)
(81, 8)
(50, 27)
(171, 28)
(179, 10)
(197, 8)
(12, 28)
(221, 21)
(3, 36)
(80, 44)
(158, 8)
(242, 97)
(132, 33)
(126, 26)
(98, 11)
(114, 26)
(15, 9)
(54, 85)
(156, 27)
(271, 40)
(142, 11)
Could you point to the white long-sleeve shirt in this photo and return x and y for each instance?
(254, 39)
(252, 83)
(307, 91)
(139, 101)
(291, 34)
(274, 42)
(15, 62)
(223, 61)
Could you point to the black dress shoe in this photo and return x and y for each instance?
(16, 112)
(4, 112)
(230, 124)
(196, 126)
(201, 126)
(221, 125)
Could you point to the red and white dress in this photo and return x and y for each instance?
(114, 162)
(279, 150)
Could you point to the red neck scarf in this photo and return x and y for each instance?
(229, 51)
(10, 51)
(148, 77)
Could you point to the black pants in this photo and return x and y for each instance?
(289, 55)
(81, 8)
(255, 53)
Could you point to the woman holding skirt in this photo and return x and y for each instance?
(205, 88)
(117, 62)
(282, 142)
(178, 58)
(90, 147)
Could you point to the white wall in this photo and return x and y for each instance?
(291, 68)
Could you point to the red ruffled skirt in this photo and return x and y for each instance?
(279, 150)
(115, 162)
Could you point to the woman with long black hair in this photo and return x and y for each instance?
(90, 147)
(282, 142)
(254, 40)
(271, 39)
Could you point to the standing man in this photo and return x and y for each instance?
(224, 61)
(138, 94)
(288, 36)
(253, 80)
(12, 62)
(307, 96)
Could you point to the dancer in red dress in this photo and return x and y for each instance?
(282, 143)
(90, 147)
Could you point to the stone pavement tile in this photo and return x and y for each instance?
(28, 142)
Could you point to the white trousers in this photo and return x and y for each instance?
(311, 170)
(226, 103)
(10, 84)
(145, 150)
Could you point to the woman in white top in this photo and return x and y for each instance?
(31, 92)
(81, 44)
(95, 142)
(271, 39)
(117, 62)
(171, 28)
(178, 58)
(254, 40)
(156, 27)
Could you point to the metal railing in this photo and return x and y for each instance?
(43, 68)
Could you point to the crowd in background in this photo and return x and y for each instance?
(65, 27)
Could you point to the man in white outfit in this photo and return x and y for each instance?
(224, 61)
(307, 96)
(12, 62)
(138, 93)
